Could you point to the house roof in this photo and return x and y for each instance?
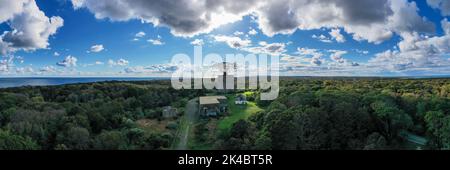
(205, 100)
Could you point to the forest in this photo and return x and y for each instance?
(348, 114)
(309, 114)
(99, 116)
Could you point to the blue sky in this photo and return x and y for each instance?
(125, 38)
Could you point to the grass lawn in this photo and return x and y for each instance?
(237, 112)
(248, 93)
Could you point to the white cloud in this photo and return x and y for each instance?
(267, 48)
(69, 61)
(160, 68)
(97, 48)
(30, 27)
(317, 61)
(406, 18)
(309, 52)
(120, 62)
(316, 56)
(233, 42)
(4, 66)
(443, 5)
(56, 54)
(362, 51)
(337, 55)
(238, 33)
(336, 34)
(77, 3)
(445, 26)
(140, 34)
(374, 21)
(252, 32)
(416, 51)
(24, 70)
(197, 42)
(310, 62)
(184, 18)
(20, 59)
(322, 38)
(94, 64)
(155, 41)
(50, 69)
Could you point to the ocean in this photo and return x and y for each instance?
(18, 82)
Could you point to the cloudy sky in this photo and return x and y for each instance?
(139, 37)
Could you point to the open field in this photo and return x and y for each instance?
(236, 113)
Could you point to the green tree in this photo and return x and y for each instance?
(110, 140)
(392, 118)
(375, 141)
(438, 125)
(77, 138)
(9, 141)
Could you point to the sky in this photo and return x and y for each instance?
(138, 38)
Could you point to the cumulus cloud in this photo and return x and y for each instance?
(252, 32)
(336, 34)
(94, 64)
(4, 66)
(24, 70)
(337, 55)
(77, 3)
(267, 48)
(238, 33)
(316, 61)
(362, 51)
(183, 17)
(406, 18)
(233, 42)
(197, 42)
(309, 52)
(160, 68)
(446, 26)
(416, 51)
(365, 19)
(322, 38)
(374, 21)
(48, 69)
(316, 56)
(30, 27)
(97, 48)
(120, 62)
(443, 5)
(140, 34)
(156, 41)
(69, 61)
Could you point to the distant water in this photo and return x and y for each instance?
(18, 82)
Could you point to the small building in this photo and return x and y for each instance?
(169, 112)
(212, 105)
(240, 100)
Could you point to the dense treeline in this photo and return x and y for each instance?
(348, 114)
(310, 113)
(86, 116)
